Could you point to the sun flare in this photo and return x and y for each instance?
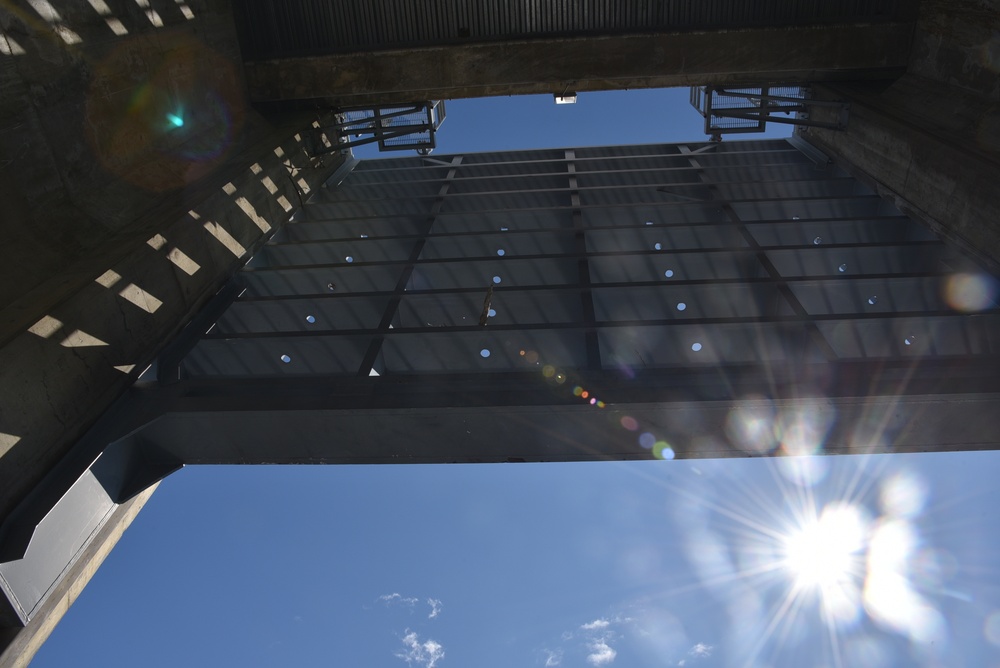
(824, 552)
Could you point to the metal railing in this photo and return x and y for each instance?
(749, 108)
(398, 127)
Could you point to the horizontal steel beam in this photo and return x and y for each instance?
(573, 287)
(801, 318)
(273, 432)
(594, 254)
(547, 65)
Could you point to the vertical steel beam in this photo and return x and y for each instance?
(583, 267)
(392, 307)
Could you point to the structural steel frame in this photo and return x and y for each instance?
(672, 285)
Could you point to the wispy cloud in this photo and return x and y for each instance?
(427, 653)
(553, 658)
(601, 653)
(595, 625)
(395, 597)
(701, 651)
(435, 604)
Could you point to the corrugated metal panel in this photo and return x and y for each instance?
(280, 28)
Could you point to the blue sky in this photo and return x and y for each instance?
(854, 561)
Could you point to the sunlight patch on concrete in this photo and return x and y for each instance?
(45, 9)
(226, 239)
(7, 441)
(139, 297)
(108, 279)
(101, 7)
(80, 339)
(252, 214)
(46, 327)
(9, 47)
(151, 13)
(183, 262)
(185, 10)
(157, 242)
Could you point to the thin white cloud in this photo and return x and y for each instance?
(435, 604)
(395, 597)
(601, 653)
(553, 658)
(427, 653)
(701, 651)
(596, 625)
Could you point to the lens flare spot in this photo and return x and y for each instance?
(682, 306)
(669, 273)
(991, 628)
(286, 359)
(817, 241)
(496, 280)
(629, 423)
(842, 268)
(662, 450)
(647, 440)
(696, 347)
(903, 495)
(548, 371)
(531, 357)
(601, 404)
(584, 394)
(970, 292)
(750, 426)
(175, 120)
(577, 391)
(593, 401)
(311, 319)
(484, 353)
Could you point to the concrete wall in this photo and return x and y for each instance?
(120, 221)
(91, 168)
(930, 141)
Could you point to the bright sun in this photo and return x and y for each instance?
(824, 552)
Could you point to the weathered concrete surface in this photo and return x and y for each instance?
(85, 145)
(930, 141)
(958, 43)
(22, 644)
(62, 371)
(769, 55)
(91, 168)
(119, 223)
